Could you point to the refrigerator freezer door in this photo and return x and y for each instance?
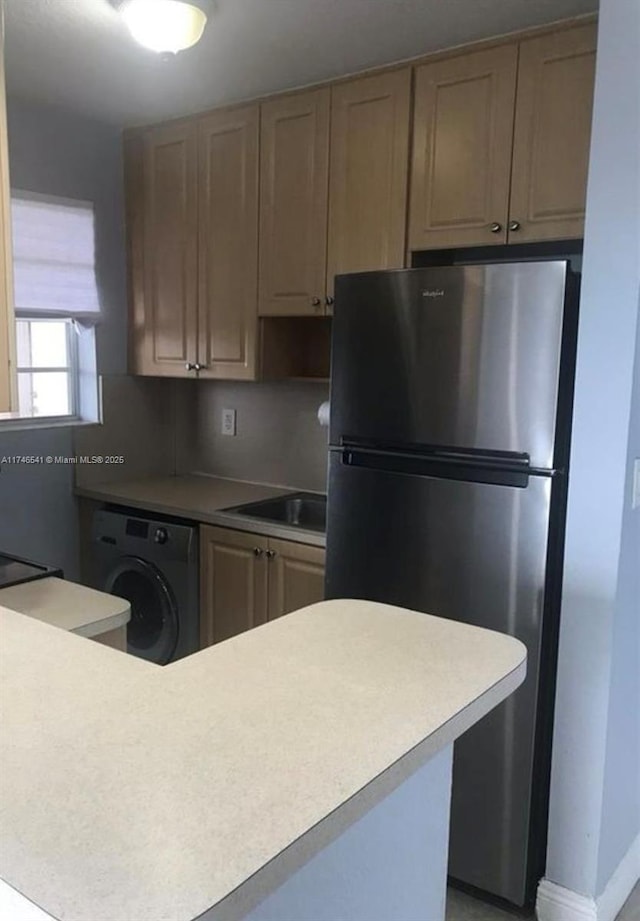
(465, 356)
(473, 552)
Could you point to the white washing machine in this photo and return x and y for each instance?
(152, 562)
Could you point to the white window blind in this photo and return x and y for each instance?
(53, 256)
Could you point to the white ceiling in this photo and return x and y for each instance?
(78, 53)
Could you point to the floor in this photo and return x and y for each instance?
(631, 908)
(462, 907)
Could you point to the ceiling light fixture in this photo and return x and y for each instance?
(165, 26)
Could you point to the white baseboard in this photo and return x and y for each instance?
(555, 903)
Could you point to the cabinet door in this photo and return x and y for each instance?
(552, 135)
(294, 151)
(140, 338)
(228, 243)
(462, 140)
(368, 174)
(296, 576)
(233, 583)
(6, 263)
(166, 338)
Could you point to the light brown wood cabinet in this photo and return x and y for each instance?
(250, 212)
(233, 583)
(369, 171)
(294, 175)
(228, 243)
(296, 576)
(552, 134)
(494, 166)
(334, 172)
(462, 136)
(247, 579)
(7, 337)
(192, 216)
(163, 232)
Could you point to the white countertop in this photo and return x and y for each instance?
(67, 605)
(131, 792)
(201, 498)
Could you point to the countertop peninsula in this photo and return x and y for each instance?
(67, 605)
(132, 791)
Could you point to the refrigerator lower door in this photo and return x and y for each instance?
(474, 552)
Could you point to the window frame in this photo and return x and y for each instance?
(72, 369)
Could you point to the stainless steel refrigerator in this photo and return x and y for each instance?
(451, 394)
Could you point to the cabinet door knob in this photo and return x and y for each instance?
(199, 367)
(258, 551)
(514, 225)
(270, 554)
(495, 227)
(189, 366)
(315, 302)
(329, 301)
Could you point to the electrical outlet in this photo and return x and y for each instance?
(228, 422)
(635, 497)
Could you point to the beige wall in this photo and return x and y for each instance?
(278, 440)
(140, 423)
(162, 427)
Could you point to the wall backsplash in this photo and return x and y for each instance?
(140, 423)
(278, 438)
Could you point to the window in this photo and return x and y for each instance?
(47, 367)
(56, 304)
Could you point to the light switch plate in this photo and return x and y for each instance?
(635, 497)
(228, 422)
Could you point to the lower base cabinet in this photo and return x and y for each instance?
(247, 579)
(296, 576)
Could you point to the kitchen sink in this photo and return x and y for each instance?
(300, 510)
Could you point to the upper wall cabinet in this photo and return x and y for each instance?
(192, 216)
(462, 137)
(253, 210)
(493, 166)
(368, 175)
(294, 170)
(333, 198)
(161, 178)
(552, 134)
(228, 243)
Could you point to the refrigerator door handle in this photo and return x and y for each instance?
(479, 469)
(507, 459)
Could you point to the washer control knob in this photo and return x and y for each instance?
(161, 536)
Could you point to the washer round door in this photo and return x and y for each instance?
(152, 632)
